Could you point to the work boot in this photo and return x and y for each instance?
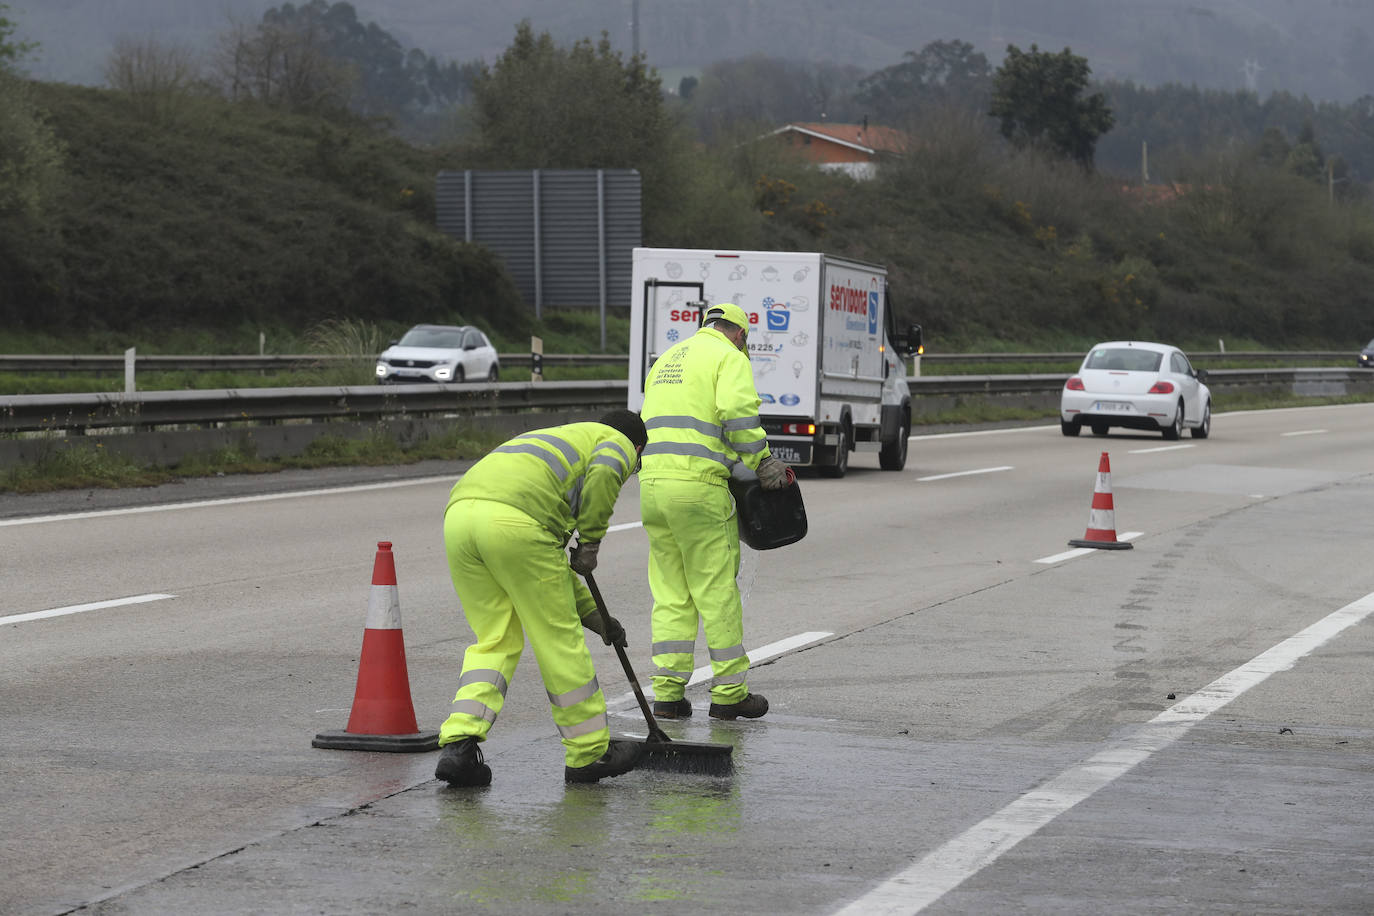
(751, 707)
(620, 757)
(460, 764)
(672, 709)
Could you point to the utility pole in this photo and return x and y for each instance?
(1144, 163)
(634, 28)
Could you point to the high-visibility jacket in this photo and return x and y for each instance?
(701, 410)
(566, 478)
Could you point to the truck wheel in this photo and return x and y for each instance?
(841, 457)
(892, 456)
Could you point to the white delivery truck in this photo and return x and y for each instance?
(821, 341)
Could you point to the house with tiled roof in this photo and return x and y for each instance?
(856, 149)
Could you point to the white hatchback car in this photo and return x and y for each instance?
(1137, 385)
(439, 353)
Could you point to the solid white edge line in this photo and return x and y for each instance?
(1303, 432)
(1084, 551)
(944, 869)
(762, 653)
(625, 527)
(82, 608)
(1005, 467)
(227, 501)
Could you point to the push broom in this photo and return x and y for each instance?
(660, 751)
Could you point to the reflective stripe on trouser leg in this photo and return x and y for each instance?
(513, 579)
(694, 557)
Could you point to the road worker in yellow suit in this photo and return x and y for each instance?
(506, 530)
(701, 410)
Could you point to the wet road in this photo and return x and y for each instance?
(964, 720)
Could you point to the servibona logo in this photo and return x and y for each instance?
(873, 311)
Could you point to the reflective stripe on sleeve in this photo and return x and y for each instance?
(612, 446)
(569, 453)
(749, 448)
(575, 496)
(543, 454)
(741, 423)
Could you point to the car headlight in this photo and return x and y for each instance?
(443, 373)
(382, 370)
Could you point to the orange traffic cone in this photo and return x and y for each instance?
(1102, 516)
(383, 718)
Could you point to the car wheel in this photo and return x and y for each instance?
(841, 457)
(459, 375)
(1070, 427)
(493, 372)
(892, 456)
(1099, 429)
(1204, 429)
(1175, 429)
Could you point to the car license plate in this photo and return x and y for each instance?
(1111, 407)
(791, 454)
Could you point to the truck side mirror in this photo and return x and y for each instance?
(910, 344)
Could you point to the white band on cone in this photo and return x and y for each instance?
(384, 608)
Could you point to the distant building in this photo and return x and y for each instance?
(853, 148)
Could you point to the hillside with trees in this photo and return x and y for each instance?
(266, 194)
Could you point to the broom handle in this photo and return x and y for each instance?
(655, 732)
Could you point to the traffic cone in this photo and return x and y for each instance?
(383, 718)
(1102, 516)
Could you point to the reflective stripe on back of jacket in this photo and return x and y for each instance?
(702, 411)
(566, 478)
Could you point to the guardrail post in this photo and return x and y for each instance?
(536, 359)
(129, 371)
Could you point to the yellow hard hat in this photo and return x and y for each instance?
(730, 312)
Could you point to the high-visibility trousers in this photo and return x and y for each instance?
(511, 573)
(693, 562)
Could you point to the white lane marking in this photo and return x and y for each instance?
(762, 653)
(925, 882)
(1005, 467)
(1084, 551)
(81, 608)
(227, 501)
(1162, 448)
(1303, 432)
(985, 432)
(625, 527)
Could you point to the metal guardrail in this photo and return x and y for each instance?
(151, 410)
(282, 363)
(271, 363)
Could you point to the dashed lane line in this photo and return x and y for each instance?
(82, 608)
(1084, 551)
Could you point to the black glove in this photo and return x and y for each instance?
(614, 635)
(583, 558)
(773, 474)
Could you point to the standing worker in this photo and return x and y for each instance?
(505, 529)
(701, 410)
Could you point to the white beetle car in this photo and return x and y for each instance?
(1137, 385)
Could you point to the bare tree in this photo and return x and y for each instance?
(283, 65)
(159, 76)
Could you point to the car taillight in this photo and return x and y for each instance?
(799, 429)
(1074, 384)
(1162, 388)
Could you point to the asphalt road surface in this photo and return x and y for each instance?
(968, 716)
